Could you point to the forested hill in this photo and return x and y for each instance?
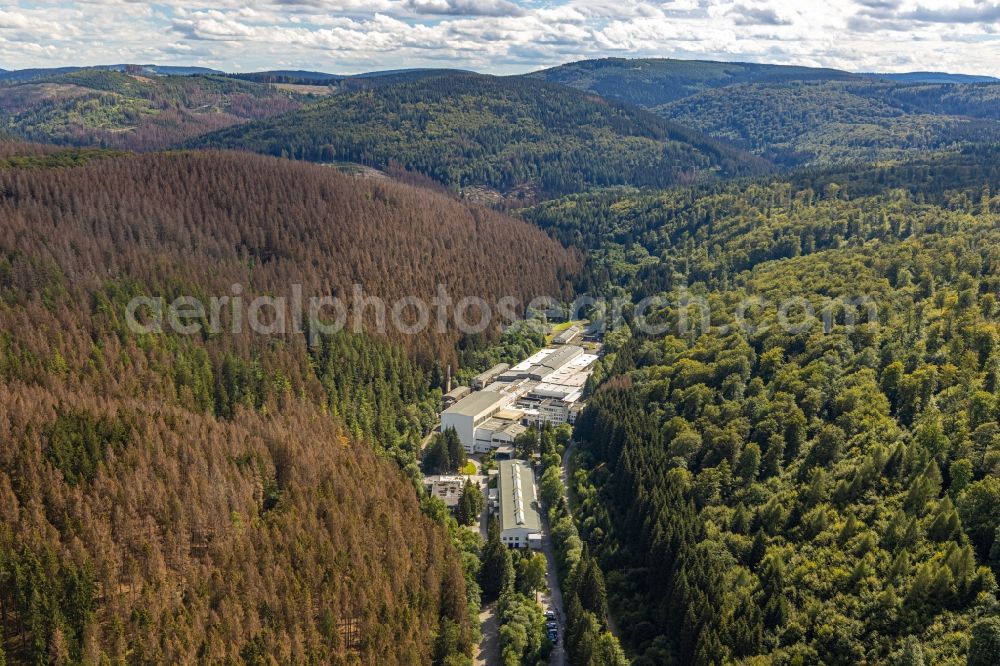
(799, 115)
(936, 77)
(836, 121)
(769, 491)
(652, 82)
(518, 137)
(100, 107)
(228, 497)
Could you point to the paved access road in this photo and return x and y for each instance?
(489, 648)
(488, 653)
(555, 600)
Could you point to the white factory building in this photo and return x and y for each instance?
(471, 412)
(520, 522)
(499, 431)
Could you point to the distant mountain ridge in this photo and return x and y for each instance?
(305, 77)
(270, 76)
(138, 111)
(21, 75)
(935, 77)
(649, 82)
(787, 115)
(263, 76)
(704, 70)
(798, 115)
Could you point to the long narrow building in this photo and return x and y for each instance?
(520, 522)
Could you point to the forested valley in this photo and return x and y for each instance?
(790, 451)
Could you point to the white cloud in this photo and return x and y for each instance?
(502, 35)
(757, 15)
(980, 12)
(464, 7)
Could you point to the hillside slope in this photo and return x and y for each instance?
(234, 496)
(516, 136)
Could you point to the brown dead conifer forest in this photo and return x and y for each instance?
(217, 498)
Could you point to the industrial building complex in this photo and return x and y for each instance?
(546, 387)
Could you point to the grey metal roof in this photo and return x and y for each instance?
(514, 429)
(475, 403)
(518, 500)
(554, 361)
(493, 372)
(567, 335)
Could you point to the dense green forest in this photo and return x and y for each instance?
(766, 491)
(519, 137)
(97, 107)
(170, 498)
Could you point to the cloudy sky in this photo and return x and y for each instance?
(501, 36)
